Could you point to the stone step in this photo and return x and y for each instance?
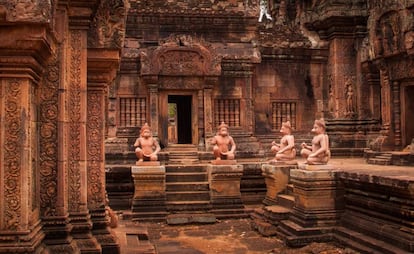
(188, 186)
(186, 177)
(264, 228)
(182, 161)
(185, 168)
(182, 206)
(295, 235)
(276, 213)
(190, 218)
(148, 216)
(289, 189)
(134, 239)
(376, 161)
(188, 195)
(286, 200)
(364, 243)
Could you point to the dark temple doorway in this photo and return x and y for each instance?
(179, 119)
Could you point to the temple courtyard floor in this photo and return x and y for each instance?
(235, 236)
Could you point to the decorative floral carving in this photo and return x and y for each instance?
(74, 122)
(12, 157)
(48, 138)
(95, 128)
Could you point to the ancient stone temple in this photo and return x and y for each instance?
(189, 65)
(57, 60)
(79, 78)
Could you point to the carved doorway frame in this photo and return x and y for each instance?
(163, 117)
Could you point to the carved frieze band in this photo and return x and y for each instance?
(12, 157)
(48, 150)
(74, 120)
(95, 128)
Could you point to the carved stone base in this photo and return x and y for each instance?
(82, 234)
(225, 196)
(57, 235)
(27, 242)
(102, 232)
(149, 202)
(276, 179)
(318, 205)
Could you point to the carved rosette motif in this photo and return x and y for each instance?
(12, 157)
(74, 121)
(48, 138)
(96, 192)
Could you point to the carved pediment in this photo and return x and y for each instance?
(181, 55)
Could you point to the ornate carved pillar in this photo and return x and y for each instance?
(53, 169)
(102, 65)
(152, 84)
(201, 135)
(397, 113)
(207, 104)
(77, 142)
(249, 100)
(23, 162)
(385, 98)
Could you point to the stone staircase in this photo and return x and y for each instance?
(381, 159)
(266, 219)
(188, 194)
(182, 154)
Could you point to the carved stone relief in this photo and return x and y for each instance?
(96, 193)
(108, 27)
(12, 156)
(49, 138)
(75, 121)
(33, 11)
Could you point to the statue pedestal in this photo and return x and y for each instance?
(318, 205)
(276, 178)
(225, 196)
(149, 199)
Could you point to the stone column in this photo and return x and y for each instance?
(75, 127)
(397, 113)
(154, 110)
(102, 65)
(24, 127)
(318, 205)
(20, 222)
(209, 84)
(208, 114)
